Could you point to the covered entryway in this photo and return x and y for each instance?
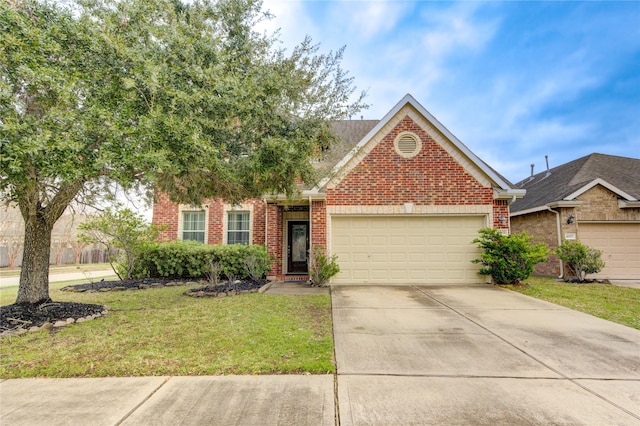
(405, 249)
(620, 245)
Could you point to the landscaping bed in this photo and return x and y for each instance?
(17, 318)
(24, 317)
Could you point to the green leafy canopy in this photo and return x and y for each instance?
(185, 98)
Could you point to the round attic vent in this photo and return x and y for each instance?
(407, 145)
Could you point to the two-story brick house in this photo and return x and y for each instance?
(402, 205)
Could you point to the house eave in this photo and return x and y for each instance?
(546, 207)
(304, 198)
(564, 203)
(509, 194)
(624, 204)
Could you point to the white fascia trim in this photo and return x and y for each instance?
(528, 211)
(604, 183)
(546, 207)
(623, 204)
(563, 203)
(304, 197)
(509, 194)
(408, 99)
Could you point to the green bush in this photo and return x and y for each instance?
(582, 260)
(189, 259)
(508, 259)
(321, 267)
(123, 233)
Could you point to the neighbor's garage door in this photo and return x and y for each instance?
(620, 245)
(401, 250)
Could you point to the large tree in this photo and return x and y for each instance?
(185, 98)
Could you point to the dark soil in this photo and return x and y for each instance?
(227, 287)
(136, 284)
(25, 315)
(589, 281)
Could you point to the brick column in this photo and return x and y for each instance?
(274, 238)
(318, 224)
(500, 208)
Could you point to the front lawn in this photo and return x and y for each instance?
(162, 332)
(613, 303)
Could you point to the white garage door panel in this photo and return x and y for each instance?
(401, 250)
(620, 245)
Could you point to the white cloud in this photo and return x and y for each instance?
(447, 31)
(374, 18)
(290, 18)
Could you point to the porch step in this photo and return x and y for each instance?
(287, 278)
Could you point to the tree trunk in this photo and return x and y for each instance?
(34, 274)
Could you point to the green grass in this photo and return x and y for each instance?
(162, 332)
(613, 303)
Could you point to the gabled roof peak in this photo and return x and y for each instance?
(619, 174)
(500, 182)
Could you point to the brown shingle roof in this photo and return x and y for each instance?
(542, 189)
(349, 133)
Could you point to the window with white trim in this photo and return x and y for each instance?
(193, 223)
(238, 227)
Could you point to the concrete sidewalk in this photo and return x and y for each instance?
(219, 400)
(13, 281)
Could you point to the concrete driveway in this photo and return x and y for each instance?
(479, 355)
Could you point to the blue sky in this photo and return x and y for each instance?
(515, 81)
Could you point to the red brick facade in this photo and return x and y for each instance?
(318, 224)
(432, 178)
(166, 212)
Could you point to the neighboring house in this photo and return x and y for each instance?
(593, 199)
(402, 204)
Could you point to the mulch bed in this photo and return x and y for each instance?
(25, 316)
(18, 318)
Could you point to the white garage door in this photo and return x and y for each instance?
(620, 245)
(401, 250)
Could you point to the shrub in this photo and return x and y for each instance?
(123, 233)
(321, 267)
(582, 260)
(508, 259)
(189, 259)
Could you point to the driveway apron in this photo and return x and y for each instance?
(476, 355)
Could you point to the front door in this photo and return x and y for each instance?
(297, 246)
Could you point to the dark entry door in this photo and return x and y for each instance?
(297, 246)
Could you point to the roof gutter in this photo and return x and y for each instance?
(509, 194)
(546, 207)
(304, 196)
(624, 204)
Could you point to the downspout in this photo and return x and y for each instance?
(310, 225)
(513, 200)
(266, 220)
(559, 231)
